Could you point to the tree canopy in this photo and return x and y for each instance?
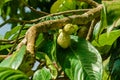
(60, 40)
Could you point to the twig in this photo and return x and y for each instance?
(91, 2)
(34, 10)
(4, 42)
(90, 30)
(3, 56)
(79, 11)
(75, 12)
(5, 22)
(16, 41)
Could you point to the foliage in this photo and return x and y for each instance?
(81, 61)
(96, 58)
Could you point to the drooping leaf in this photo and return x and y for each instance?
(81, 61)
(14, 60)
(42, 74)
(11, 74)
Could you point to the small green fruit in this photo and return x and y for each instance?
(83, 32)
(70, 28)
(63, 39)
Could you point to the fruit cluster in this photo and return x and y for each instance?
(64, 35)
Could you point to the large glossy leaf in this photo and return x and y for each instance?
(81, 61)
(15, 59)
(11, 74)
(42, 74)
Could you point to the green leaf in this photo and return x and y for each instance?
(112, 10)
(15, 59)
(63, 5)
(81, 61)
(116, 70)
(5, 46)
(2, 2)
(104, 39)
(49, 64)
(100, 26)
(11, 74)
(42, 74)
(12, 32)
(39, 40)
(53, 50)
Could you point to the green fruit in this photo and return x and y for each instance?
(83, 32)
(70, 28)
(63, 39)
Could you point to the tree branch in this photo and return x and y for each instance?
(4, 42)
(33, 32)
(79, 11)
(34, 10)
(91, 2)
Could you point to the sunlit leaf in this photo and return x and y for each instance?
(49, 64)
(12, 32)
(107, 40)
(63, 5)
(42, 74)
(5, 46)
(14, 60)
(11, 74)
(112, 12)
(106, 69)
(101, 25)
(81, 61)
